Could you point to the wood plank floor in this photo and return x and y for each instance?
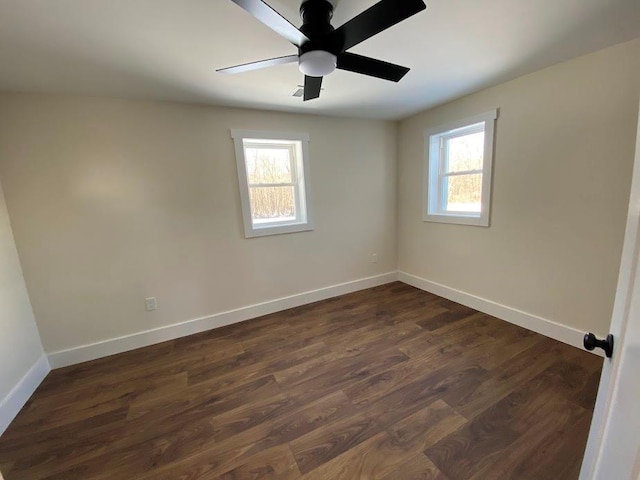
(389, 383)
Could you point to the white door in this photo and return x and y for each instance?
(613, 449)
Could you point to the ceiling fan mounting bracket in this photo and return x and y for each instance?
(321, 9)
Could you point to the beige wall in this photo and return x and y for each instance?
(563, 159)
(114, 201)
(20, 346)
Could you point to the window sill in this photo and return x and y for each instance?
(267, 231)
(481, 221)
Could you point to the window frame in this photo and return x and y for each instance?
(433, 193)
(298, 142)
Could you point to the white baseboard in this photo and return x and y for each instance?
(548, 328)
(10, 405)
(113, 346)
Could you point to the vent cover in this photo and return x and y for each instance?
(298, 92)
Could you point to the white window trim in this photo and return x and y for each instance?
(304, 190)
(483, 219)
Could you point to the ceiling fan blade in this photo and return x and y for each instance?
(273, 20)
(312, 86)
(247, 67)
(382, 15)
(371, 66)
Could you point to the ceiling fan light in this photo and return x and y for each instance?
(317, 63)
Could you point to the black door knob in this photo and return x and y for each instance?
(591, 343)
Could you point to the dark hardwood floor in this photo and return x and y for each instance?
(389, 383)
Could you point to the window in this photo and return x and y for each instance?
(458, 171)
(273, 174)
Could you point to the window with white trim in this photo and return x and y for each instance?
(458, 165)
(273, 175)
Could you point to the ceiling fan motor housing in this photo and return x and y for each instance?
(316, 25)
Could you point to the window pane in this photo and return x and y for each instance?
(272, 204)
(268, 165)
(464, 193)
(465, 153)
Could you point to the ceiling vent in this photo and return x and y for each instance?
(298, 92)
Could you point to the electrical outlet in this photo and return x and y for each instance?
(151, 303)
(374, 258)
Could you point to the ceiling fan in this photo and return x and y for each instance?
(323, 48)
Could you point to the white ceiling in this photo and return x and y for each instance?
(169, 49)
